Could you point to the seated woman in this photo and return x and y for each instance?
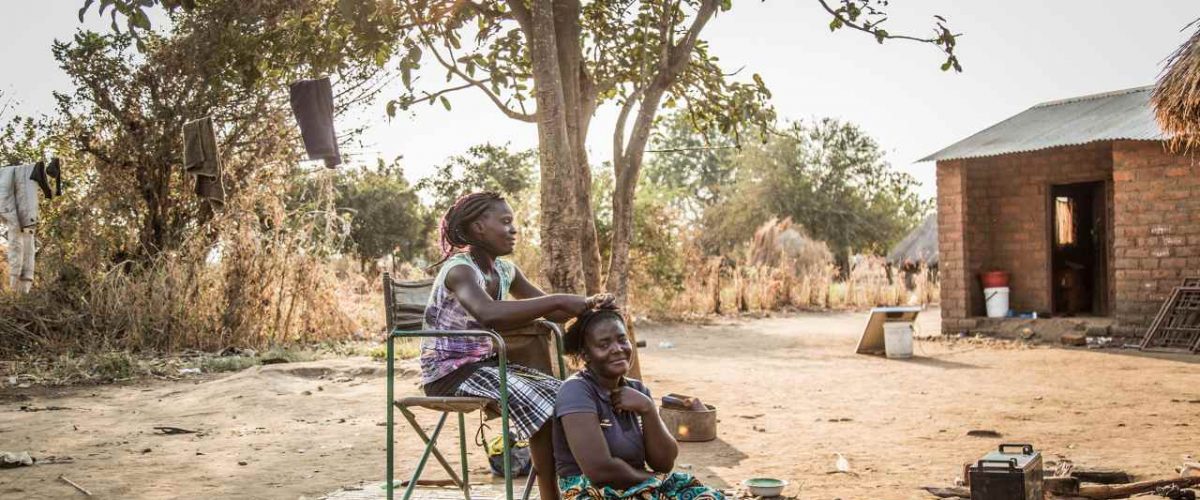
(472, 292)
(606, 427)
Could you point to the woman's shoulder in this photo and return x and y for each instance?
(577, 383)
(506, 266)
(637, 385)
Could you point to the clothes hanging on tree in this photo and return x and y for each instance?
(202, 159)
(42, 173)
(20, 259)
(18, 196)
(312, 104)
(200, 153)
(19, 212)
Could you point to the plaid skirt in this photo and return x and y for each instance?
(531, 396)
(673, 486)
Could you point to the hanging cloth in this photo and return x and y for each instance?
(202, 159)
(18, 196)
(42, 173)
(312, 104)
(200, 154)
(19, 212)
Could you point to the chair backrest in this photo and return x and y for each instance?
(405, 302)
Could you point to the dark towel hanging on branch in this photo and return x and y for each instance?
(202, 159)
(312, 104)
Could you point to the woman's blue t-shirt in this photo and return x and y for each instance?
(623, 432)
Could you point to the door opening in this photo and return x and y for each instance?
(1079, 263)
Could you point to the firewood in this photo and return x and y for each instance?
(1101, 476)
(1102, 492)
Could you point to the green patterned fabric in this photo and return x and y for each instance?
(673, 486)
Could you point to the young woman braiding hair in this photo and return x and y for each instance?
(475, 289)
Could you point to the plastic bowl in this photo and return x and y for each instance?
(765, 486)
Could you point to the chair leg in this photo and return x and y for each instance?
(431, 446)
(412, 420)
(391, 444)
(529, 484)
(462, 448)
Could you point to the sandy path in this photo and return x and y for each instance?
(305, 429)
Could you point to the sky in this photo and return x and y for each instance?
(1014, 53)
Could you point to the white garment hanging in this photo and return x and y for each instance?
(21, 253)
(18, 196)
(19, 211)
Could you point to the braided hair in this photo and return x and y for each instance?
(465, 210)
(574, 341)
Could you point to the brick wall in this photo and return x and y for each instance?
(1000, 219)
(1156, 240)
(952, 257)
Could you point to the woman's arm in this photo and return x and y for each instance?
(522, 288)
(506, 314)
(590, 450)
(661, 448)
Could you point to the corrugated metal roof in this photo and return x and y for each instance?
(920, 246)
(1124, 114)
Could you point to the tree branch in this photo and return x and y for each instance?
(435, 95)
(870, 28)
(453, 68)
(619, 131)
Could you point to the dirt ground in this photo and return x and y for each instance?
(790, 394)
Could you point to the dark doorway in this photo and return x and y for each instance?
(1078, 253)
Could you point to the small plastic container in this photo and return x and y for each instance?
(898, 340)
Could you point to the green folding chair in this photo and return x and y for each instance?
(404, 310)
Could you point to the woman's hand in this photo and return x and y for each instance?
(602, 301)
(626, 398)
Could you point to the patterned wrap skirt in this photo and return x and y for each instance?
(531, 393)
(673, 486)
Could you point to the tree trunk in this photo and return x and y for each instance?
(560, 225)
(579, 101)
(628, 169)
(627, 160)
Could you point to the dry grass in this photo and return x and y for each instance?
(1176, 96)
(263, 284)
(781, 269)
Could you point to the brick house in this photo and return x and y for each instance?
(1080, 201)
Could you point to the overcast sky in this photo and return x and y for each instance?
(1015, 53)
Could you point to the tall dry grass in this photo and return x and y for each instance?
(266, 281)
(782, 268)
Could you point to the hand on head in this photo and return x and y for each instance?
(602, 301)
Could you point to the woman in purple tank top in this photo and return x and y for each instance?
(475, 289)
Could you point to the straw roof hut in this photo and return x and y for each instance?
(1176, 96)
(920, 247)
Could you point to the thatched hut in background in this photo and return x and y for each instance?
(917, 252)
(1176, 96)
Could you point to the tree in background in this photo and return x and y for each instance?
(570, 58)
(693, 167)
(831, 178)
(484, 167)
(386, 216)
(231, 60)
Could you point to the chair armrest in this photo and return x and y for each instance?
(497, 339)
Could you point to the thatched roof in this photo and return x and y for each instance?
(1176, 97)
(919, 247)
